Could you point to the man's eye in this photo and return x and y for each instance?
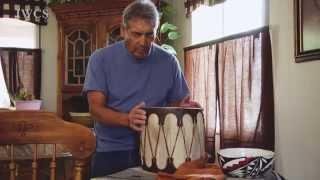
(137, 34)
(151, 34)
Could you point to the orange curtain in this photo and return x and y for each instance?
(246, 92)
(241, 70)
(201, 76)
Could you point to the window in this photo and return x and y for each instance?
(18, 34)
(231, 17)
(213, 23)
(19, 58)
(4, 95)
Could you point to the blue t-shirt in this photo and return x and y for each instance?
(156, 80)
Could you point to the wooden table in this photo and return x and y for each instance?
(137, 173)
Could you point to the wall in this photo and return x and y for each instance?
(184, 28)
(49, 45)
(297, 99)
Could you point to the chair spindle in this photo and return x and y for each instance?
(35, 162)
(53, 164)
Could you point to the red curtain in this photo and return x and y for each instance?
(242, 73)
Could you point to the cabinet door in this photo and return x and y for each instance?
(114, 35)
(79, 43)
(109, 31)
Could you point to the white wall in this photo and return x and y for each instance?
(49, 45)
(297, 88)
(297, 94)
(184, 28)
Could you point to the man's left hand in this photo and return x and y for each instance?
(186, 102)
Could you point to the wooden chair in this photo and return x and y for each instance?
(39, 128)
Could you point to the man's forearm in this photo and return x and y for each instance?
(185, 102)
(175, 104)
(178, 102)
(108, 116)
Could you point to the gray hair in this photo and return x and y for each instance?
(144, 9)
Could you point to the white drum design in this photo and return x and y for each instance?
(172, 136)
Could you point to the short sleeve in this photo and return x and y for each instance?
(95, 79)
(179, 88)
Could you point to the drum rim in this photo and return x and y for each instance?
(171, 108)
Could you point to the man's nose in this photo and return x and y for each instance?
(143, 39)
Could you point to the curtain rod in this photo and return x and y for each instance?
(231, 37)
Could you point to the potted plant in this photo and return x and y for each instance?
(168, 32)
(26, 101)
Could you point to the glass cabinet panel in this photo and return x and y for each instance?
(114, 36)
(79, 48)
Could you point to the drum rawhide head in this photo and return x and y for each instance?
(172, 135)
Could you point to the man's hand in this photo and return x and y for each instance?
(186, 102)
(137, 117)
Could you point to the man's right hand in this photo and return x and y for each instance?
(137, 117)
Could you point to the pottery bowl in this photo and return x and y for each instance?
(245, 162)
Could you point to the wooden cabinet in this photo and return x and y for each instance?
(82, 28)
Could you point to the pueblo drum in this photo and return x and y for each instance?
(172, 135)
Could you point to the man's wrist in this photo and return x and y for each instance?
(127, 120)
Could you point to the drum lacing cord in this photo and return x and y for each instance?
(156, 148)
(203, 135)
(175, 142)
(165, 140)
(193, 132)
(192, 139)
(143, 140)
(184, 141)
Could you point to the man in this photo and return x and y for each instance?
(123, 78)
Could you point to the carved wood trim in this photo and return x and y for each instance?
(99, 8)
(36, 127)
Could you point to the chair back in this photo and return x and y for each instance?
(41, 129)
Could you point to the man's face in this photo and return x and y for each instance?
(139, 35)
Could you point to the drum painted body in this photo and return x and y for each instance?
(172, 135)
